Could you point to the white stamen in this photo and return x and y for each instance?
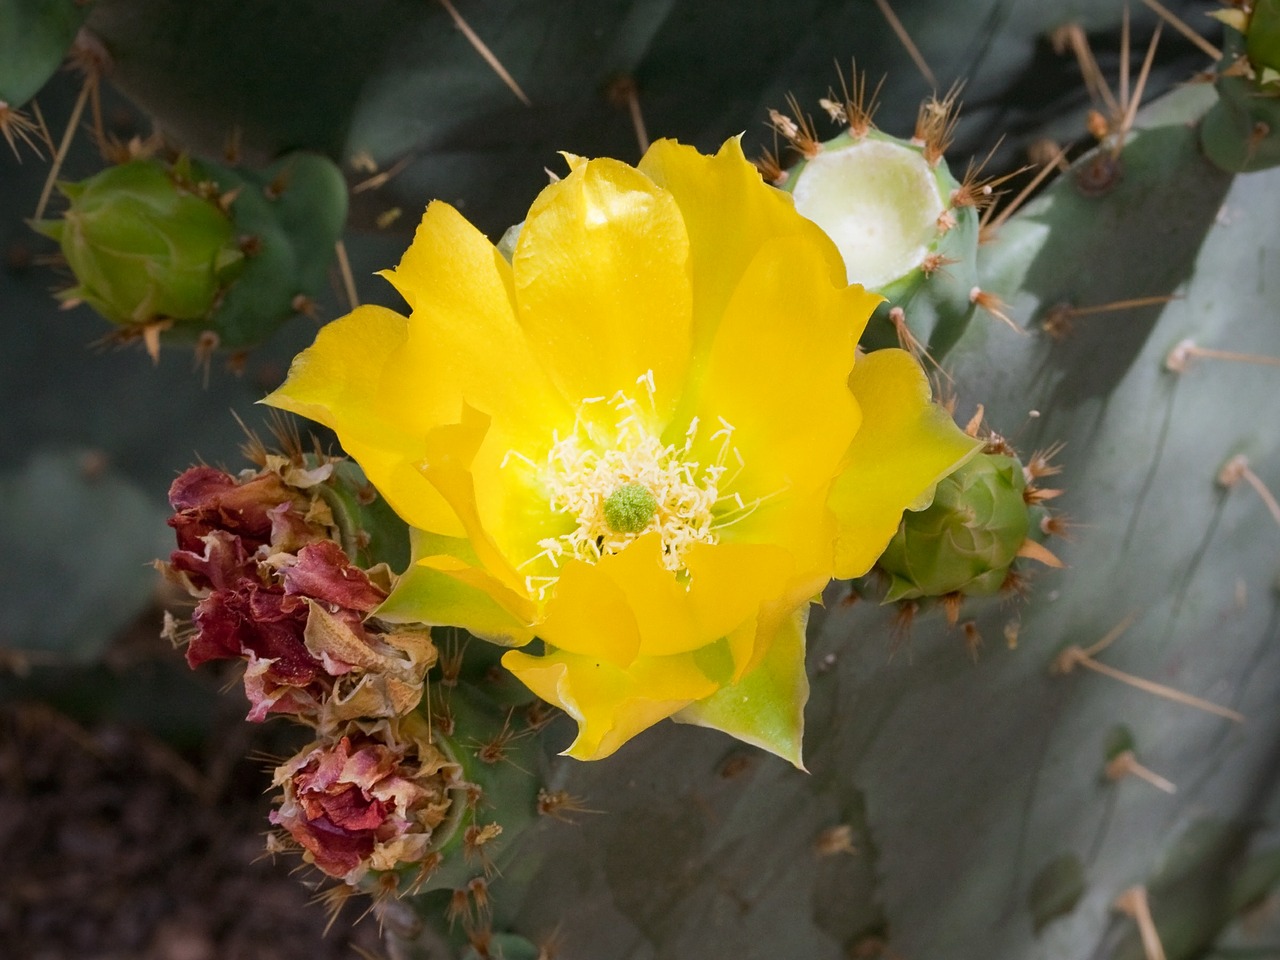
(584, 468)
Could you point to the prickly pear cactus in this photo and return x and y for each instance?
(1085, 771)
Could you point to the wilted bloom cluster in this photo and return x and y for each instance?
(646, 439)
(278, 592)
(369, 800)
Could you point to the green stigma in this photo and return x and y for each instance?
(630, 508)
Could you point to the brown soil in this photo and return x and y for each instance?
(115, 848)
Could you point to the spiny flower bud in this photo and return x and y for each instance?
(144, 245)
(966, 540)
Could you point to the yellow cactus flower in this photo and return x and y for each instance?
(644, 440)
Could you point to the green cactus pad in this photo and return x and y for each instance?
(34, 37)
(967, 539)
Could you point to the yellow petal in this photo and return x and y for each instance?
(778, 372)
(659, 605)
(602, 283)
(799, 523)
(611, 705)
(464, 344)
(512, 502)
(905, 446)
(446, 464)
(336, 382)
(766, 707)
(728, 584)
(730, 213)
(588, 614)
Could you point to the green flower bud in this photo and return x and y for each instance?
(145, 246)
(967, 539)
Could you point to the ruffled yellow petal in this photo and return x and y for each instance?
(777, 372)
(512, 502)
(730, 213)
(610, 704)
(464, 344)
(906, 445)
(337, 382)
(729, 582)
(448, 453)
(602, 283)
(765, 707)
(588, 614)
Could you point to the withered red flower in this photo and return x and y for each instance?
(281, 595)
(368, 800)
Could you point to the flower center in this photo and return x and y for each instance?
(630, 508)
(617, 482)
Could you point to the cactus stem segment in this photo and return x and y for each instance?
(1134, 903)
(1125, 764)
(1237, 469)
(1077, 656)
